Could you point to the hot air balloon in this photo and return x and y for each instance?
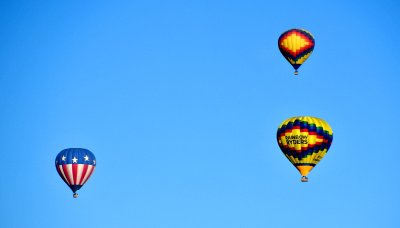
(75, 166)
(304, 140)
(296, 45)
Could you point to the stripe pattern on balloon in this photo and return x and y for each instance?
(75, 166)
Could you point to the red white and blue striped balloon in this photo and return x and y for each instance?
(75, 166)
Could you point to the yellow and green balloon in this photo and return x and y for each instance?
(304, 140)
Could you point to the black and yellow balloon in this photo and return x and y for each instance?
(304, 140)
(296, 45)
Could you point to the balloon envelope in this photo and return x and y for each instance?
(296, 45)
(75, 166)
(304, 140)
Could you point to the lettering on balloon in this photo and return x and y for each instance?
(296, 139)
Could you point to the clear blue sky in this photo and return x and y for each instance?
(180, 102)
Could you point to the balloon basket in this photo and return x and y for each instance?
(296, 72)
(75, 195)
(304, 179)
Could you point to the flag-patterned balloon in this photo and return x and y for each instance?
(304, 140)
(75, 166)
(296, 45)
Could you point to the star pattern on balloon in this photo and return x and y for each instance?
(75, 166)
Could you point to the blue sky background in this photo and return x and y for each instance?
(180, 102)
